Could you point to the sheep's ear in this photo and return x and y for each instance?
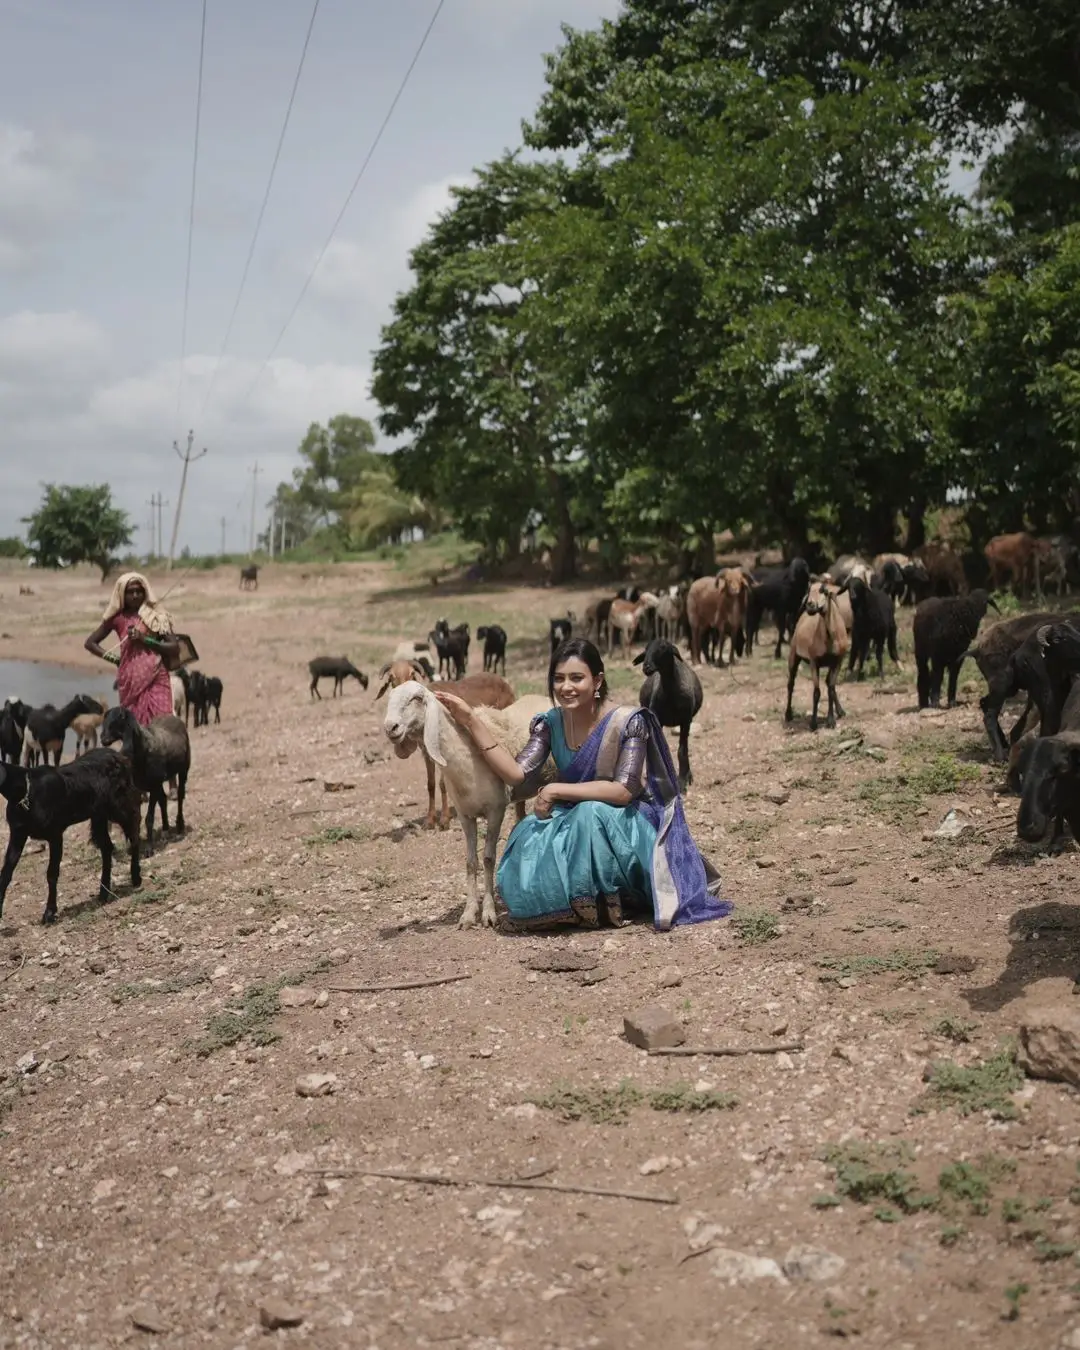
(638, 659)
(431, 731)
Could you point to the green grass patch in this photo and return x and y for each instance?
(252, 1016)
(968, 1089)
(872, 1174)
(176, 984)
(899, 962)
(953, 1029)
(337, 834)
(755, 927)
(898, 796)
(612, 1106)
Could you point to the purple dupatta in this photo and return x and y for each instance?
(685, 885)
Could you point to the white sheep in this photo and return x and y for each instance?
(415, 718)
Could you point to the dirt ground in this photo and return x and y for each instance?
(157, 1164)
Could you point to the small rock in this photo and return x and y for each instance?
(779, 1028)
(954, 965)
(498, 1221)
(28, 1063)
(592, 977)
(738, 1267)
(812, 1263)
(844, 879)
(1050, 1044)
(103, 1189)
(653, 1028)
(952, 827)
(847, 982)
(96, 966)
(776, 794)
(275, 1313)
(427, 1061)
(652, 1166)
(749, 717)
(296, 996)
(766, 861)
(845, 1053)
(669, 978)
(147, 1318)
(322, 998)
(784, 1061)
(316, 1084)
(586, 1261)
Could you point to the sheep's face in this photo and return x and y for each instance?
(406, 713)
(1051, 760)
(117, 726)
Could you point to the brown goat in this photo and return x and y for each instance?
(625, 615)
(1012, 559)
(821, 639)
(85, 727)
(487, 690)
(718, 602)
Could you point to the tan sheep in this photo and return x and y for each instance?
(821, 639)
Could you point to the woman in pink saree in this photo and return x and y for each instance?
(145, 630)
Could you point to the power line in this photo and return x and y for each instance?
(352, 193)
(191, 213)
(262, 208)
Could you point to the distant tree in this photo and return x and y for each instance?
(12, 547)
(77, 524)
(334, 457)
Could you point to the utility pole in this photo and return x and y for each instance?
(254, 494)
(271, 530)
(281, 550)
(160, 531)
(222, 554)
(187, 457)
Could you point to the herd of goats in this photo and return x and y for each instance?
(848, 611)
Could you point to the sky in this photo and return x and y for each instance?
(97, 112)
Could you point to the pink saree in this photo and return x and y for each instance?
(141, 680)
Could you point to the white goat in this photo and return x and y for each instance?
(625, 616)
(669, 612)
(415, 718)
(178, 695)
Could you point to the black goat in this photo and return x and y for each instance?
(494, 646)
(779, 591)
(671, 690)
(944, 629)
(1051, 792)
(43, 803)
(890, 578)
(156, 753)
(1043, 666)
(562, 630)
(452, 645)
(46, 727)
(214, 690)
(873, 614)
(249, 577)
(12, 726)
(337, 668)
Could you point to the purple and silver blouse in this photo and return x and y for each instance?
(629, 768)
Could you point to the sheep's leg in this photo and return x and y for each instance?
(954, 676)
(314, 694)
(937, 674)
(429, 765)
(16, 844)
(793, 670)
(52, 876)
(834, 702)
(131, 834)
(491, 844)
(99, 835)
(471, 912)
(879, 644)
(923, 683)
(893, 653)
(181, 793)
(444, 805)
(685, 776)
(815, 675)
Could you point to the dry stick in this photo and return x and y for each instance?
(435, 1179)
(14, 972)
(728, 1049)
(379, 988)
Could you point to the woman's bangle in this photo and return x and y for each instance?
(485, 748)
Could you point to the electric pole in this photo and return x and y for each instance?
(281, 550)
(254, 494)
(152, 551)
(187, 457)
(222, 554)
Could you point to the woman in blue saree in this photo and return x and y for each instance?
(609, 837)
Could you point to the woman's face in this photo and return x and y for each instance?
(575, 685)
(134, 595)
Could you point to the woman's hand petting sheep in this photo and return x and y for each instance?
(458, 709)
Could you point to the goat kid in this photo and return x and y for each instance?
(821, 639)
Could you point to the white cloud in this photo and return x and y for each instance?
(42, 178)
(68, 414)
(367, 271)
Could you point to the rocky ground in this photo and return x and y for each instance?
(195, 1102)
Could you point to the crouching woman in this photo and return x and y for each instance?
(608, 839)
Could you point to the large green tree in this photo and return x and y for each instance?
(488, 429)
(75, 525)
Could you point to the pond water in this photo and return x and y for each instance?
(39, 682)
